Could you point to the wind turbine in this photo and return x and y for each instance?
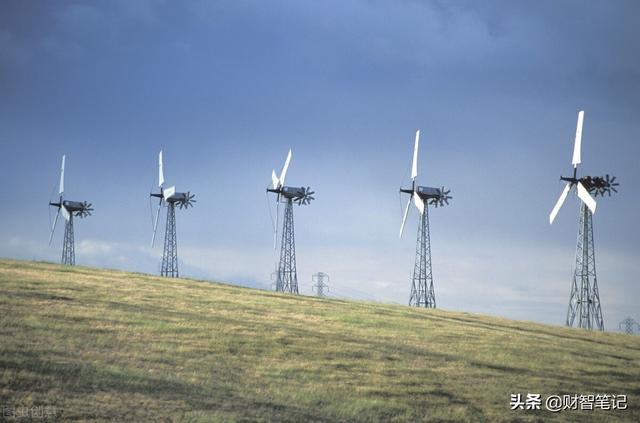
(170, 199)
(422, 293)
(584, 301)
(287, 277)
(68, 209)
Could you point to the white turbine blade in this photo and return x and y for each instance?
(160, 170)
(404, 217)
(559, 203)
(169, 192)
(414, 166)
(586, 198)
(418, 202)
(53, 228)
(65, 213)
(274, 179)
(61, 190)
(155, 224)
(283, 174)
(578, 142)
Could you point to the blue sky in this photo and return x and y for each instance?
(226, 88)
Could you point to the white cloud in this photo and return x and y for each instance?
(92, 248)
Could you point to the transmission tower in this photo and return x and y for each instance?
(286, 275)
(320, 286)
(629, 326)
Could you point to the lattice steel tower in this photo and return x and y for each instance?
(422, 292)
(169, 265)
(629, 326)
(584, 300)
(286, 276)
(68, 209)
(584, 309)
(170, 198)
(320, 286)
(68, 249)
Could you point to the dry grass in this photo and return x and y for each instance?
(107, 345)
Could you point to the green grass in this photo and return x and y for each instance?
(108, 345)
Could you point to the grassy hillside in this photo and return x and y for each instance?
(106, 345)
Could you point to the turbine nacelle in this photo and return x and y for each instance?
(77, 206)
(428, 193)
(182, 199)
(303, 195)
(170, 195)
(599, 185)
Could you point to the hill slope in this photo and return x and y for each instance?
(108, 345)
